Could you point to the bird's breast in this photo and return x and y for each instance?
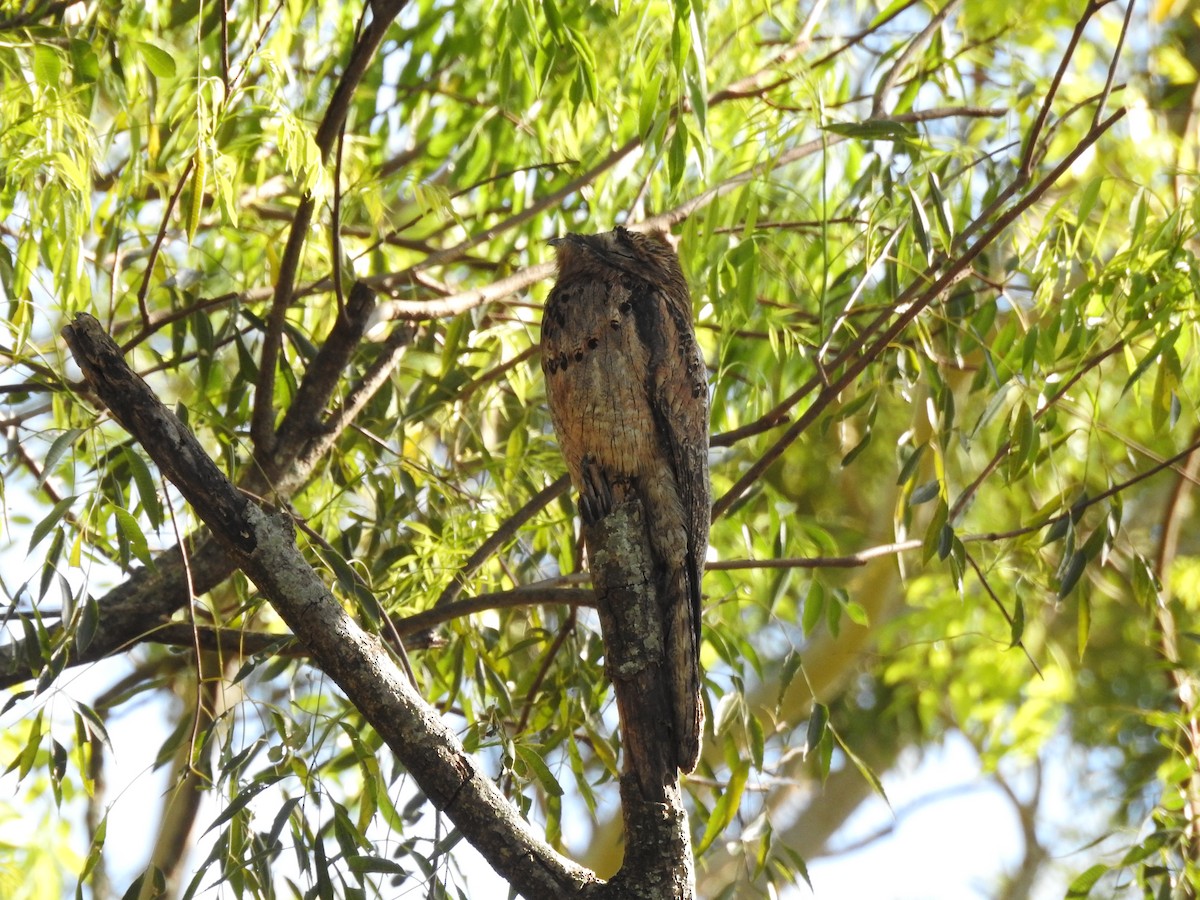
(597, 380)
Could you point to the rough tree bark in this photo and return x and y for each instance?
(658, 850)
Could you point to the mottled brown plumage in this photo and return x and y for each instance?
(629, 399)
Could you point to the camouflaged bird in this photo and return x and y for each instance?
(629, 399)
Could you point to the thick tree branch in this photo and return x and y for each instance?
(264, 549)
(151, 595)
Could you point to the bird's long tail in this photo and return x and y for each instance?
(682, 660)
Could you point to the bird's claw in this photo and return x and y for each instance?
(595, 493)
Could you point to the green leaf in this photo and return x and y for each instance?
(1017, 629)
(920, 223)
(368, 865)
(240, 802)
(792, 664)
(923, 493)
(941, 209)
(873, 130)
(866, 771)
(159, 61)
(857, 614)
(89, 621)
(1087, 198)
(814, 605)
(1153, 843)
(146, 487)
(57, 449)
(47, 65)
(1023, 444)
(52, 518)
(1075, 568)
(677, 155)
(131, 532)
(196, 202)
(536, 765)
(817, 723)
(85, 66)
(1083, 883)
(933, 540)
(726, 806)
(888, 12)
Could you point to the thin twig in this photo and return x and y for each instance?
(1018, 642)
(158, 242)
(1035, 132)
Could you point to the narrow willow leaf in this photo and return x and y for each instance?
(1022, 442)
(933, 533)
(817, 723)
(923, 493)
(910, 465)
(1084, 882)
(726, 806)
(89, 621)
(240, 802)
(52, 518)
(865, 770)
(1075, 566)
(131, 532)
(814, 605)
(677, 155)
(146, 487)
(57, 449)
(1017, 630)
(920, 223)
(1084, 624)
(873, 130)
(541, 772)
(196, 207)
(941, 209)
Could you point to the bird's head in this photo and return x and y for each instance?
(646, 255)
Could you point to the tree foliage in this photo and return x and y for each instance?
(944, 265)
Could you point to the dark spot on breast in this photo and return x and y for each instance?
(550, 366)
(615, 324)
(562, 362)
(625, 307)
(593, 343)
(578, 355)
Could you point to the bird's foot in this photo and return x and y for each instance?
(595, 494)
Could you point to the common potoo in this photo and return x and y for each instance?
(629, 400)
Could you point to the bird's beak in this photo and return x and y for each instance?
(567, 238)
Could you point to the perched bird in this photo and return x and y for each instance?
(628, 396)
